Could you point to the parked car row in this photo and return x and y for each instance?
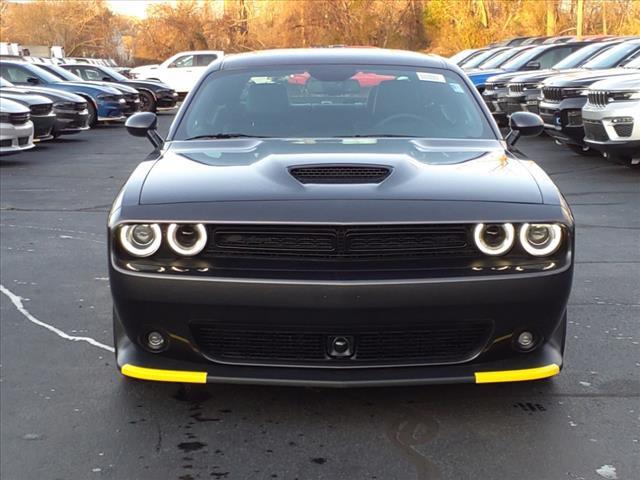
(586, 91)
(69, 98)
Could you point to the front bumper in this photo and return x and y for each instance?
(512, 303)
(166, 100)
(111, 111)
(70, 121)
(16, 138)
(43, 126)
(614, 128)
(563, 120)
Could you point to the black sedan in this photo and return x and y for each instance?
(71, 114)
(41, 109)
(338, 234)
(154, 95)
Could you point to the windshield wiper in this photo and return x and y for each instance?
(222, 136)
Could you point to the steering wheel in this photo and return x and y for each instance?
(397, 118)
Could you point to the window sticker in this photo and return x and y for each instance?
(456, 87)
(431, 77)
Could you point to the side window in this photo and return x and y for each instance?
(205, 60)
(78, 71)
(93, 74)
(15, 74)
(182, 62)
(553, 56)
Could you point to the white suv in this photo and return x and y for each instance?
(16, 127)
(180, 71)
(611, 118)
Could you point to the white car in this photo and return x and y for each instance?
(611, 118)
(181, 71)
(16, 127)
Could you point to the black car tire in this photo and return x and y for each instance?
(584, 151)
(147, 102)
(93, 114)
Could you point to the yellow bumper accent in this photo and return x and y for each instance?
(163, 375)
(518, 375)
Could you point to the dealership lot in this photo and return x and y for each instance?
(67, 413)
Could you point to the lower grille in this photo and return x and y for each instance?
(594, 130)
(420, 343)
(513, 107)
(624, 130)
(22, 141)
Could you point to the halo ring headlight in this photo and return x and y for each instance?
(540, 239)
(481, 234)
(199, 240)
(142, 239)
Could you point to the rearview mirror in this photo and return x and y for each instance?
(523, 124)
(144, 124)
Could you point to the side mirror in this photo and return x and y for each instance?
(532, 66)
(523, 124)
(33, 81)
(143, 124)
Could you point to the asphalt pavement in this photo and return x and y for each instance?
(66, 412)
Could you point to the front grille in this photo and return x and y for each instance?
(22, 141)
(19, 118)
(594, 130)
(516, 88)
(340, 174)
(624, 130)
(338, 243)
(80, 106)
(307, 342)
(513, 107)
(5, 143)
(43, 109)
(598, 98)
(552, 94)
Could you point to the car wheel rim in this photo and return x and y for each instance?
(145, 104)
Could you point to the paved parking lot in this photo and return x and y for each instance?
(67, 413)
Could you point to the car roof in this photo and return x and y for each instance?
(320, 56)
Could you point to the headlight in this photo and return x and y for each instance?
(141, 240)
(494, 239)
(540, 239)
(622, 96)
(105, 97)
(187, 239)
(64, 105)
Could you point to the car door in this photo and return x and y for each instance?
(179, 74)
(16, 74)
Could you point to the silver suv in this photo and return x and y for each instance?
(611, 118)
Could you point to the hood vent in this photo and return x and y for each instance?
(340, 174)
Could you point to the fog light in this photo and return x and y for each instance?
(526, 340)
(155, 340)
(622, 120)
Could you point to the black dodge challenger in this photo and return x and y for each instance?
(338, 217)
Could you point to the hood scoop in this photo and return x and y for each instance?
(340, 174)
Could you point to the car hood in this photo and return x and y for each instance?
(118, 86)
(484, 73)
(540, 75)
(25, 98)
(150, 84)
(623, 83)
(85, 87)
(50, 93)
(584, 78)
(259, 170)
(503, 77)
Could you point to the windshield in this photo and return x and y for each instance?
(579, 57)
(320, 101)
(481, 58)
(502, 57)
(61, 73)
(521, 60)
(113, 74)
(461, 55)
(612, 57)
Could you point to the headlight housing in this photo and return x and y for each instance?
(540, 239)
(141, 240)
(187, 239)
(495, 238)
(105, 97)
(624, 96)
(63, 105)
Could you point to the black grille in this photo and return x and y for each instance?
(594, 130)
(516, 88)
(22, 141)
(502, 104)
(19, 118)
(43, 109)
(336, 243)
(340, 174)
(513, 107)
(80, 106)
(598, 98)
(624, 130)
(552, 94)
(304, 343)
(533, 108)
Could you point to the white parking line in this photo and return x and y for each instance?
(17, 302)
